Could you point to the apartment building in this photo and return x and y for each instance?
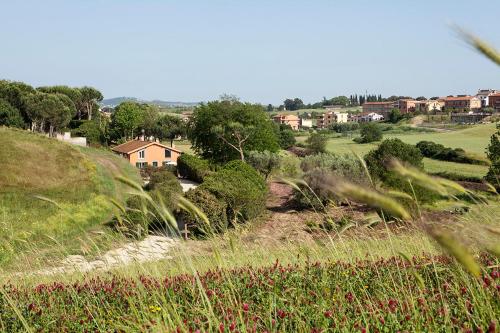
(429, 105)
(326, 119)
(288, 119)
(484, 96)
(494, 101)
(462, 103)
(407, 105)
(382, 108)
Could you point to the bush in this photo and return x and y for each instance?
(193, 167)
(264, 162)
(215, 210)
(378, 159)
(439, 152)
(344, 127)
(241, 187)
(286, 138)
(149, 170)
(370, 132)
(318, 168)
(493, 153)
(316, 142)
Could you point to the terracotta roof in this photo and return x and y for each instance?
(494, 95)
(134, 145)
(461, 98)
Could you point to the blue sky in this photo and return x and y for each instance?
(261, 51)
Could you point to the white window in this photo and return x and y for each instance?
(142, 154)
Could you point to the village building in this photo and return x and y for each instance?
(147, 153)
(494, 101)
(429, 105)
(462, 103)
(381, 108)
(366, 117)
(306, 123)
(288, 119)
(332, 117)
(484, 96)
(406, 105)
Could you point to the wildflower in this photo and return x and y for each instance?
(221, 327)
(245, 307)
(328, 314)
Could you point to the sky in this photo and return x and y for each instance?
(261, 51)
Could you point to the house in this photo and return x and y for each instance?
(406, 105)
(333, 107)
(367, 117)
(382, 108)
(288, 119)
(494, 101)
(332, 117)
(429, 105)
(143, 153)
(484, 96)
(462, 103)
(306, 123)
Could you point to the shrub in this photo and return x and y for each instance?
(318, 168)
(344, 127)
(378, 159)
(493, 153)
(264, 162)
(149, 170)
(241, 187)
(286, 138)
(193, 167)
(162, 175)
(317, 142)
(214, 209)
(370, 132)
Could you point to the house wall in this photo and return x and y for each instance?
(494, 102)
(153, 153)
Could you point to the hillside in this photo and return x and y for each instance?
(54, 193)
(117, 100)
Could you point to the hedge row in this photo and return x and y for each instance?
(439, 152)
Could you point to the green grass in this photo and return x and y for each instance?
(474, 140)
(75, 184)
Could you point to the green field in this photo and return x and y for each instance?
(474, 140)
(54, 193)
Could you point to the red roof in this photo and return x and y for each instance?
(134, 145)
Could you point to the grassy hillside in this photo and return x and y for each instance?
(75, 182)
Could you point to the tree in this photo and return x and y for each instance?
(88, 102)
(317, 142)
(47, 109)
(377, 163)
(421, 98)
(126, 120)
(73, 94)
(293, 104)
(150, 118)
(264, 162)
(370, 132)
(15, 93)
(222, 130)
(493, 153)
(270, 108)
(170, 127)
(9, 115)
(395, 115)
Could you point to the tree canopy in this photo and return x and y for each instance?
(221, 130)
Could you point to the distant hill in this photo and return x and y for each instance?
(117, 100)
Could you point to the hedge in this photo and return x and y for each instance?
(241, 186)
(214, 209)
(193, 167)
(439, 152)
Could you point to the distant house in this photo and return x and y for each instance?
(462, 103)
(288, 119)
(306, 123)
(429, 105)
(144, 153)
(332, 117)
(367, 117)
(484, 96)
(494, 102)
(333, 107)
(406, 105)
(382, 108)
